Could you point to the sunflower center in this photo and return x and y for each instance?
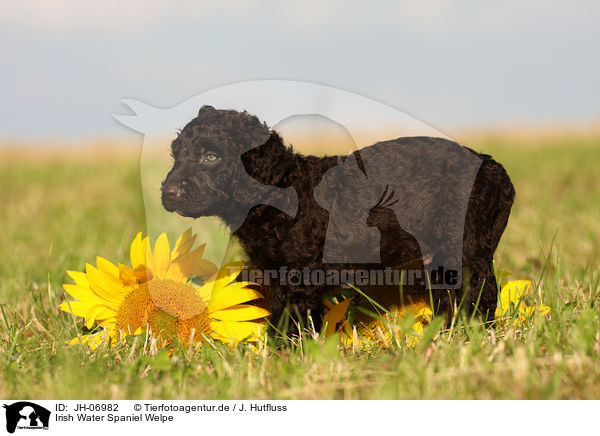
(175, 298)
(172, 310)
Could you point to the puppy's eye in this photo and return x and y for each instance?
(211, 157)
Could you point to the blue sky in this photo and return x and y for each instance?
(463, 64)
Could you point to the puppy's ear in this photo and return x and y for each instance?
(270, 163)
(206, 109)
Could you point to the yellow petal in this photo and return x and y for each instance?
(512, 292)
(97, 312)
(79, 277)
(178, 271)
(227, 274)
(137, 331)
(83, 294)
(184, 244)
(529, 311)
(241, 312)
(77, 308)
(335, 315)
(205, 268)
(138, 250)
(126, 275)
(104, 285)
(418, 327)
(231, 296)
(149, 257)
(501, 274)
(161, 256)
(107, 267)
(143, 274)
(88, 310)
(236, 331)
(103, 315)
(516, 287)
(543, 309)
(191, 263)
(193, 256)
(424, 313)
(95, 340)
(204, 293)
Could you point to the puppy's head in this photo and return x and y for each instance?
(218, 157)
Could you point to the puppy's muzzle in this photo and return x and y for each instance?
(174, 191)
(171, 192)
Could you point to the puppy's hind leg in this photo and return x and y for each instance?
(487, 216)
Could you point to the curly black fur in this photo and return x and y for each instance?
(218, 149)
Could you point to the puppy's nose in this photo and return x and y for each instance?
(171, 191)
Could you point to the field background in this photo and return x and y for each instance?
(61, 207)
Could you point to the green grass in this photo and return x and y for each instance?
(61, 210)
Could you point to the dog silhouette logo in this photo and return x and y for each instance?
(26, 415)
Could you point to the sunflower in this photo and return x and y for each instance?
(405, 322)
(361, 328)
(156, 294)
(513, 301)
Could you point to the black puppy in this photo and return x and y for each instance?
(430, 202)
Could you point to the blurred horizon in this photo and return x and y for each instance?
(130, 137)
(529, 136)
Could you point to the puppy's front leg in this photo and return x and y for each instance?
(299, 299)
